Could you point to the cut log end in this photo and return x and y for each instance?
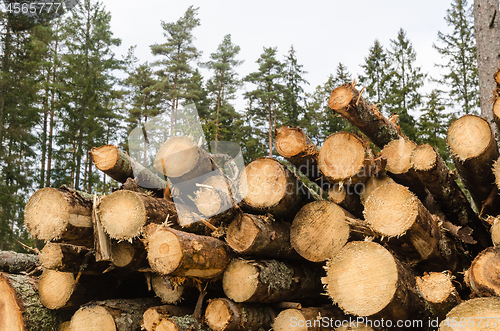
(177, 156)
(242, 233)
(240, 280)
(482, 275)
(51, 256)
(373, 183)
(105, 157)
(284, 319)
(398, 153)
(341, 97)
(435, 287)
(341, 157)
(290, 141)
(391, 209)
(95, 318)
(55, 288)
(164, 252)
(469, 137)
(496, 172)
(496, 109)
(218, 315)
(337, 193)
(423, 158)
(11, 312)
(362, 278)
(479, 310)
(122, 253)
(495, 233)
(166, 289)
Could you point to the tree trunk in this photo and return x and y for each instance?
(177, 253)
(480, 313)
(226, 315)
(60, 214)
(487, 33)
(267, 186)
(473, 149)
(70, 258)
(15, 263)
(482, 276)
(270, 281)
(365, 279)
(20, 306)
(259, 235)
(124, 213)
(112, 315)
(154, 315)
(320, 230)
(437, 289)
(308, 319)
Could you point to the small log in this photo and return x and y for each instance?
(365, 279)
(482, 276)
(473, 315)
(131, 255)
(214, 199)
(346, 101)
(111, 315)
(437, 289)
(70, 258)
(345, 158)
(347, 197)
(124, 213)
(167, 288)
(59, 214)
(64, 326)
(474, 150)
(118, 165)
(373, 183)
(226, 315)
(20, 306)
(154, 315)
(308, 319)
(270, 281)
(15, 263)
(180, 323)
(319, 230)
(177, 253)
(267, 186)
(260, 235)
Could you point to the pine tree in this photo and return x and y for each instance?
(222, 88)
(265, 98)
(293, 96)
(458, 49)
(405, 79)
(375, 77)
(177, 52)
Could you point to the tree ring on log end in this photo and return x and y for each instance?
(283, 320)
(435, 287)
(177, 156)
(105, 157)
(362, 278)
(164, 252)
(398, 153)
(484, 271)
(55, 288)
(291, 144)
(423, 157)
(341, 97)
(468, 137)
(391, 209)
(240, 280)
(218, 315)
(241, 234)
(92, 318)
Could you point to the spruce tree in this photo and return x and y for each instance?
(458, 50)
(265, 98)
(405, 80)
(293, 95)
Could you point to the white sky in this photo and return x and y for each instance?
(323, 33)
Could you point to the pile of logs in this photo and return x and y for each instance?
(366, 241)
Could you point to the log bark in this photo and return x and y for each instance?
(482, 276)
(473, 149)
(308, 319)
(481, 313)
(15, 263)
(118, 165)
(267, 186)
(124, 213)
(295, 146)
(365, 279)
(437, 289)
(111, 315)
(319, 230)
(20, 306)
(70, 258)
(226, 315)
(259, 235)
(348, 197)
(154, 315)
(345, 158)
(180, 253)
(59, 214)
(270, 281)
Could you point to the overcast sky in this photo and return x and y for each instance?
(323, 33)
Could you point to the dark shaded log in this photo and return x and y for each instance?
(20, 306)
(60, 214)
(15, 263)
(480, 314)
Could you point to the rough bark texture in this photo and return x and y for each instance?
(15, 263)
(119, 315)
(226, 315)
(20, 306)
(311, 319)
(154, 315)
(260, 235)
(267, 186)
(482, 276)
(487, 33)
(270, 281)
(439, 293)
(481, 313)
(60, 214)
(180, 253)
